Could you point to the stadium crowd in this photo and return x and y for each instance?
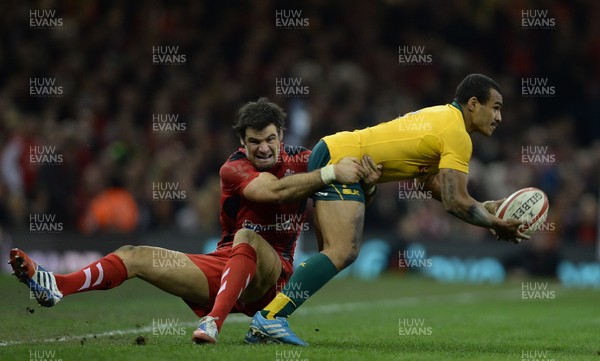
(100, 156)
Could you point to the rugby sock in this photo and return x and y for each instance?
(239, 271)
(307, 279)
(107, 272)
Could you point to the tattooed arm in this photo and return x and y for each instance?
(432, 183)
(451, 187)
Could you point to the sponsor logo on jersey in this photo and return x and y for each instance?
(257, 227)
(351, 192)
(284, 223)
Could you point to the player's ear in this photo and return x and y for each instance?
(243, 143)
(472, 104)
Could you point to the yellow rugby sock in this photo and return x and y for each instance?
(307, 279)
(273, 308)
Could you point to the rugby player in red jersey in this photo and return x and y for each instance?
(264, 186)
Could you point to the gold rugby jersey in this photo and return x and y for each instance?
(418, 143)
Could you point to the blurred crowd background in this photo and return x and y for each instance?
(346, 56)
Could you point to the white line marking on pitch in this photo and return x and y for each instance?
(463, 297)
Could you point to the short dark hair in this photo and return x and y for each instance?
(259, 115)
(475, 85)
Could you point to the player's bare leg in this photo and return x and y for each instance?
(171, 271)
(268, 265)
(318, 233)
(252, 270)
(340, 229)
(341, 225)
(168, 270)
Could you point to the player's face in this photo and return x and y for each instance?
(486, 117)
(262, 146)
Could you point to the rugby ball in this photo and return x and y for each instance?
(529, 205)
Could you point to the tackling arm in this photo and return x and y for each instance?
(371, 176)
(267, 188)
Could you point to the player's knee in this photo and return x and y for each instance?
(246, 236)
(135, 258)
(125, 251)
(343, 257)
(350, 256)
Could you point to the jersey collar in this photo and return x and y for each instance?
(456, 105)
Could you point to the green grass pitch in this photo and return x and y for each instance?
(393, 318)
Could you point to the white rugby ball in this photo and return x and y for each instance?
(529, 205)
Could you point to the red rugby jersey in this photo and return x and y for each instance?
(279, 224)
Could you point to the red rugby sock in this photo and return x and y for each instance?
(107, 272)
(238, 273)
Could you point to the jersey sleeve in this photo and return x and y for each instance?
(456, 149)
(236, 175)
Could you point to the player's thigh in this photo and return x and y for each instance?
(171, 271)
(341, 226)
(318, 233)
(268, 265)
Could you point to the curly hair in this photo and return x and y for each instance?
(258, 115)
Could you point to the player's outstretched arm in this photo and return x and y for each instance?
(432, 183)
(267, 188)
(457, 201)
